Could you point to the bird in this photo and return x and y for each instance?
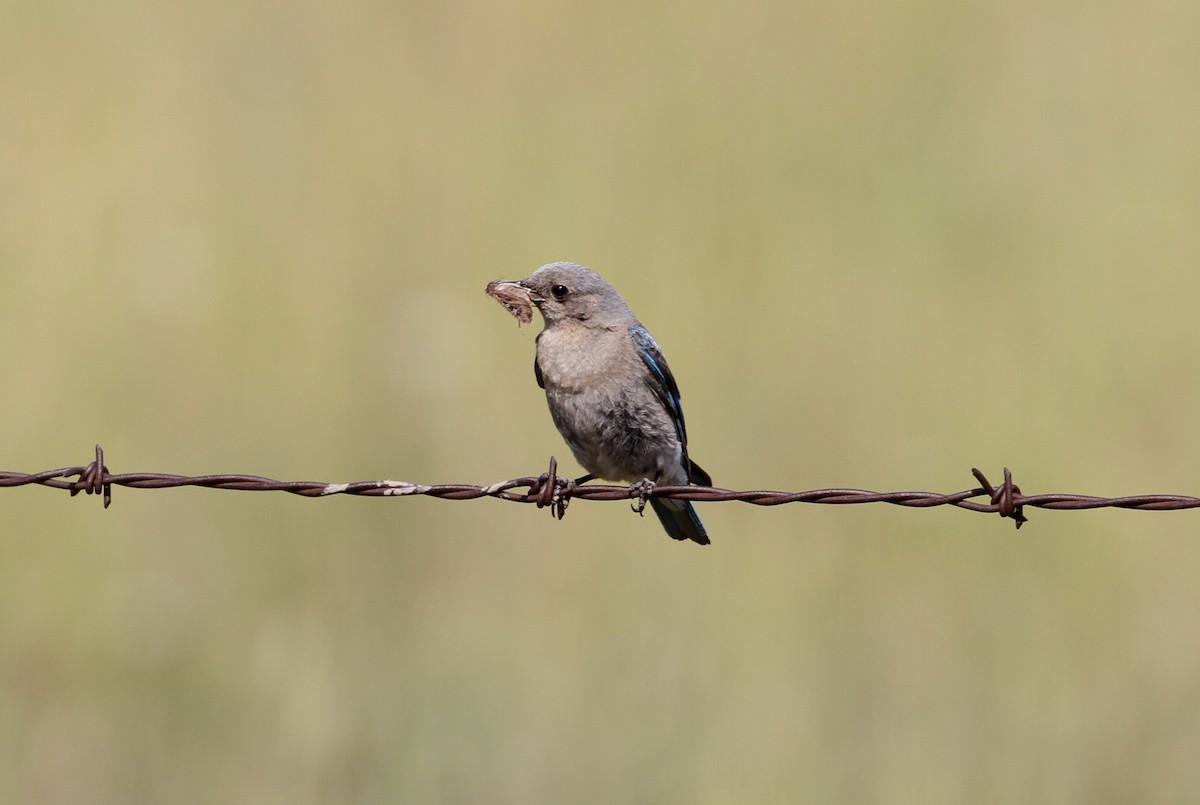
(610, 391)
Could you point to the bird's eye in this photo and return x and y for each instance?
(559, 291)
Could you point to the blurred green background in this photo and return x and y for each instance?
(881, 243)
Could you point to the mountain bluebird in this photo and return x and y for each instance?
(610, 391)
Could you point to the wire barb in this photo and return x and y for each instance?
(93, 479)
(1006, 499)
(548, 490)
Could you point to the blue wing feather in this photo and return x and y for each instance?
(662, 382)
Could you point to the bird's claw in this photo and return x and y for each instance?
(561, 498)
(642, 489)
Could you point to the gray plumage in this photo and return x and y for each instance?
(610, 391)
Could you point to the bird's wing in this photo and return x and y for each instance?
(660, 379)
(663, 384)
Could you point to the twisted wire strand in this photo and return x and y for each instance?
(550, 490)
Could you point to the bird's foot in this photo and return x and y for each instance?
(642, 489)
(561, 498)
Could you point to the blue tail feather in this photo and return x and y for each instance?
(680, 520)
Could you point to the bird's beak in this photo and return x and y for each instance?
(516, 297)
(516, 286)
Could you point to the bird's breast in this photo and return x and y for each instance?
(578, 360)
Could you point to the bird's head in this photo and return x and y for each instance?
(571, 293)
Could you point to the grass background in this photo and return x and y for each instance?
(880, 243)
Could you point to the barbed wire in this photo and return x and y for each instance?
(549, 490)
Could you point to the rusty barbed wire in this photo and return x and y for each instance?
(548, 490)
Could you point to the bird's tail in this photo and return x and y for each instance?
(680, 520)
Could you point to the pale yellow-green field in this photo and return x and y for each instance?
(881, 243)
